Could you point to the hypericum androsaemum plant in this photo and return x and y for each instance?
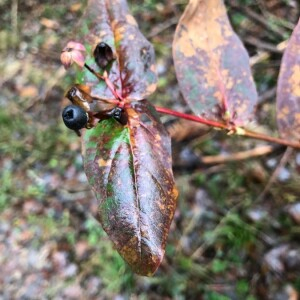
(126, 149)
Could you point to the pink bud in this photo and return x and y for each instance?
(76, 46)
(78, 58)
(73, 52)
(66, 59)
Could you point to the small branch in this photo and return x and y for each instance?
(162, 26)
(100, 77)
(266, 96)
(264, 55)
(259, 136)
(271, 26)
(107, 81)
(14, 18)
(190, 117)
(282, 163)
(220, 159)
(262, 45)
(231, 129)
(112, 88)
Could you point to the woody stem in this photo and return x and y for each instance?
(190, 117)
(237, 130)
(259, 136)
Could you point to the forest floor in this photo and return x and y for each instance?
(236, 231)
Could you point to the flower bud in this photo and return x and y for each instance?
(73, 53)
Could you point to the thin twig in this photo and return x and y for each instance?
(190, 117)
(259, 136)
(262, 45)
(220, 159)
(231, 129)
(264, 55)
(100, 77)
(259, 19)
(107, 81)
(14, 18)
(267, 95)
(288, 152)
(162, 27)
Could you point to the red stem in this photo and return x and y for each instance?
(190, 117)
(107, 81)
(113, 90)
(239, 131)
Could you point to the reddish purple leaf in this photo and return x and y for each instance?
(133, 70)
(127, 157)
(288, 90)
(212, 65)
(130, 170)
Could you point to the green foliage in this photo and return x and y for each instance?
(215, 296)
(5, 188)
(60, 11)
(233, 232)
(297, 284)
(237, 19)
(95, 232)
(242, 287)
(110, 266)
(219, 266)
(50, 225)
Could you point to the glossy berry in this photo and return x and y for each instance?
(74, 117)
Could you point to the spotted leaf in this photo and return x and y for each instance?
(212, 65)
(288, 91)
(130, 170)
(131, 65)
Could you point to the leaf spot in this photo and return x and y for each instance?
(295, 81)
(104, 163)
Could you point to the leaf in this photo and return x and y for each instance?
(212, 65)
(130, 170)
(133, 72)
(288, 90)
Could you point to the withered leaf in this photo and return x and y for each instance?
(288, 90)
(212, 65)
(130, 170)
(133, 70)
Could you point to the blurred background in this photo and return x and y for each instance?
(236, 232)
